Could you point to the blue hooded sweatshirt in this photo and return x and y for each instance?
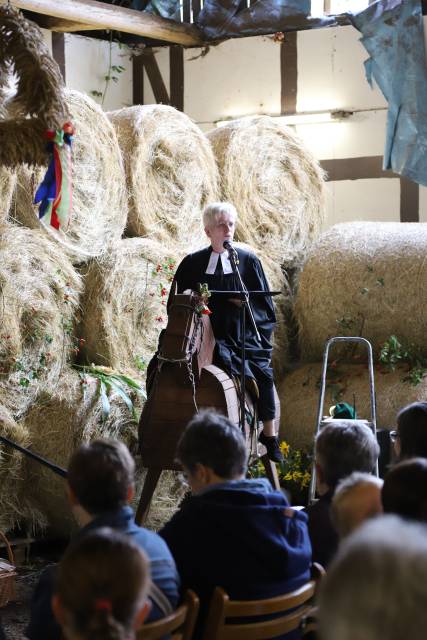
(239, 535)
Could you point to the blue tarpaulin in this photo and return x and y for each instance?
(164, 8)
(393, 35)
(223, 19)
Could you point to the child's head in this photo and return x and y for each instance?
(412, 431)
(101, 475)
(101, 588)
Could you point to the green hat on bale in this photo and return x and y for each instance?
(343, 411)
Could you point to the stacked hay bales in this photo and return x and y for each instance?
(170, 170)
(14, 503)
(277, 281)
(299, 396)
(7, 186)
(170, 491)
(171, 174)
(99, 190)
(57, 424)
(364, 277)
(275, 183)
(124, 305)
(39, 298)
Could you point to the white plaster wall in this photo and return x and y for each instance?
(374, 200)
(361, 135)
(331, 74)
(423, 204)
(87, 64)
(236, 78)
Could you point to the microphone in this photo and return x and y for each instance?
(232, 253)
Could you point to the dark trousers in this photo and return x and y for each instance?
(265, 383)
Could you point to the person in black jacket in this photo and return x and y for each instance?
(212, 266)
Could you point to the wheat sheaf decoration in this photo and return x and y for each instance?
(39, 103)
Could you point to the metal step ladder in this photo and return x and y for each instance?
(322, 421)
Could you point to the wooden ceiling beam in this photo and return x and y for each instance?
(57, 24)
(67, 26)
(93, 15)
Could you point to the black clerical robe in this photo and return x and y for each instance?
(225, 318)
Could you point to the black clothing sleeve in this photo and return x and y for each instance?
(43, 625)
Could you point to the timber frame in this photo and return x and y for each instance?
(90, 15)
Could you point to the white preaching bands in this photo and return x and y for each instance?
(213, 261)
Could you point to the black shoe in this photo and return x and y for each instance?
(271, 443)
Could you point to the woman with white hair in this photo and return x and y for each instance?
(212, 266)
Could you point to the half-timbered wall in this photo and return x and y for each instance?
(316, 70)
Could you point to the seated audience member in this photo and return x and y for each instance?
(342, 446)
(376, 587)
(357, 498)
(101, 591)
(405, 489)
(233, 532)
(410, 438)
(100, 486)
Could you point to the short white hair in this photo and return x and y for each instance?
(214, 209)
(345, 503)
(376, 584)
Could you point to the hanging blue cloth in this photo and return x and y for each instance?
(393, 35)
(223, 19)
(164, 8)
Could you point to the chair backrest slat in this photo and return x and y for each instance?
(238, 608)
(266, 628)
(292, 608)
(180, 623)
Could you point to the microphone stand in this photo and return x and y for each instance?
(245, 307)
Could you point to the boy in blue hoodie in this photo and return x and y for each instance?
(233, 532)
(100, 486)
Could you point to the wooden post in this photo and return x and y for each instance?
(289, 73)
(176, 67)
(137, 80)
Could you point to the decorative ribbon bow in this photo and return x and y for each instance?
(55, 191)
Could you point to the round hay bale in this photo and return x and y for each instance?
(7, 186)
(124, 306)
(14, 507)
(169, 493)
(39, 297)
(171, 172)
(275, 183)
(364, 278)
(278, 282)
(299, 397)
(99, 208)
(58, 423)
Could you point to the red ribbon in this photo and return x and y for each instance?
(102, 604)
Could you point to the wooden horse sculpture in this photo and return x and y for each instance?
(181, 380)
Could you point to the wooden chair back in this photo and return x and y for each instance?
(290, 610)
(179, 625)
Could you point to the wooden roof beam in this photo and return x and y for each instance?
(99, 15)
